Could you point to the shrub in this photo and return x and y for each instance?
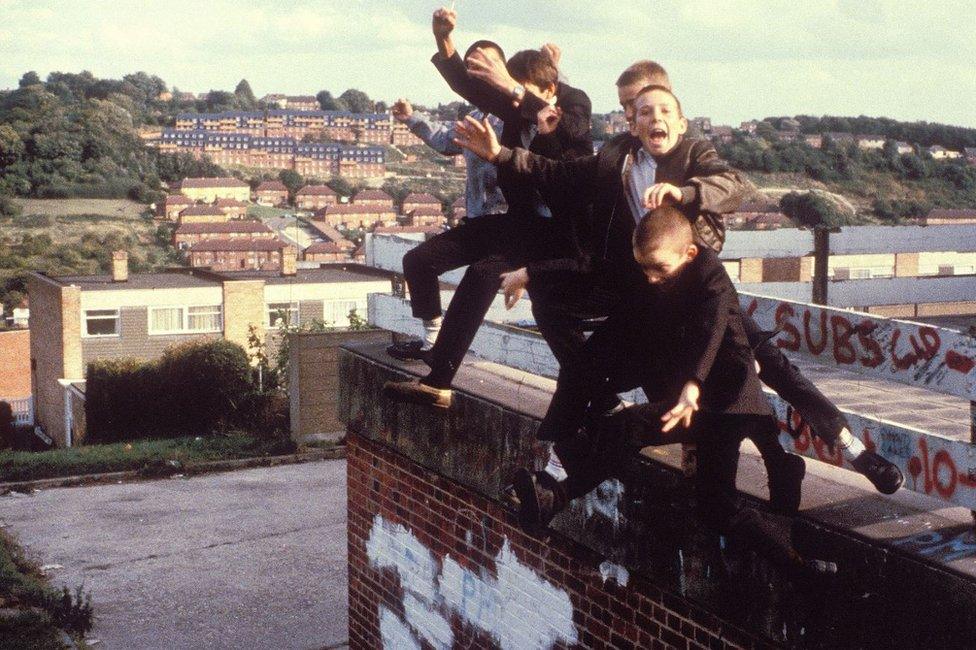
(7, 429)
(195, 387)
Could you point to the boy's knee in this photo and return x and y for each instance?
(416, 260)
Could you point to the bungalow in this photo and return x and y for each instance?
(273, 193)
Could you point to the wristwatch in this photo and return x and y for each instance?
(518, 92)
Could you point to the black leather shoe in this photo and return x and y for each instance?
(785, 485)
(408, 351)
(538, 497)
(884, 474)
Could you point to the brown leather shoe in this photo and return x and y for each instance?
(415, 392)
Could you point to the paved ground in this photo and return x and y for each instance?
(247, 559)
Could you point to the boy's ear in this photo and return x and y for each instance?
(682, 125)
(692, 251)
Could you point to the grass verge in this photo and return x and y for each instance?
(32, 613)
(152, 457)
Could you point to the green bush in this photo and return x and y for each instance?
(195, 387)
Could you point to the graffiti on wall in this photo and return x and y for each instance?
(910, 353)
(508, 601)
(932, 465)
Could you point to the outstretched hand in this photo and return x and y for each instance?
(513, 285)
(402, 110)
(682, 412)
(477, 137)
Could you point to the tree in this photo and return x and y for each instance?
(328, 102)
(29, 79)
(341, 186)
(811, 209)
(292, 180)
(245, 96)
(357, 101)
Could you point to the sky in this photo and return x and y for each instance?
(732, 60)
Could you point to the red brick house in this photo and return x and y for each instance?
(238, 254)
(190, 233)
(315, 197)
(327, 251)
(426, 215)
(416, 200)
(233, 208)
(272, 193)
(171, 206)
(377, 198)
(458, 209)
(203, 214)
(357, 215)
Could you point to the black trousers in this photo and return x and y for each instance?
(489, 245)
(562, 312)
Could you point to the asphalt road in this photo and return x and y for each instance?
(247, 559)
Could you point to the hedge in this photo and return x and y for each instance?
(194, 388)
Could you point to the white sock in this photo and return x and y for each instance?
(554, 467)
(616, 409)
(432, 328)
(850, 447)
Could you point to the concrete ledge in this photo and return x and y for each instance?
(188, 470)
(908, 562)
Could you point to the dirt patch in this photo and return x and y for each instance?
(70, 207)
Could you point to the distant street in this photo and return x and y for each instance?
(292, 231)
(248, 559)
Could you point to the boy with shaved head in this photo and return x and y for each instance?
(680, 338)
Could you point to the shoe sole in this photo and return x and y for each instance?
(418, 398)
(528, 513)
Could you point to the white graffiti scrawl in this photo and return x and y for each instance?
(511, 603)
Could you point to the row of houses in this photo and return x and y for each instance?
(339, 126)
(275, 152)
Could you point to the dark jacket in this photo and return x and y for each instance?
(694, 330)
(709, 187)
(571, 139)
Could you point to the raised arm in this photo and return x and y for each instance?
(439, 136)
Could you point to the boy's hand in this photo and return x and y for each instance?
(548, 119)
(485, 65)
(659, 192)
(402, 110)
(443, 23)
(684, 409)
(477, 137)
(513, 285)
(553, 52)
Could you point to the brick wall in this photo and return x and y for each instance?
(431, 561)
(15, 374)
(243, 307)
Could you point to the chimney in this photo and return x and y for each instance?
(120, 266)
(289, 261)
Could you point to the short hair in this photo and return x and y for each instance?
(647, 71)
(532, 66)
(485, 45)
(650, 87)
(664, 224)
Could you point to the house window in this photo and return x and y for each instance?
(282, 314)
(102, 322)
(191, 319)
(336, 312)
